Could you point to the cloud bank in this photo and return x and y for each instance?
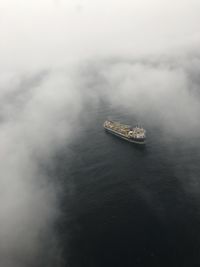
(162, 91)
(58, 56)
(35, 123)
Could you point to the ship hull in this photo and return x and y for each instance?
(131, 140)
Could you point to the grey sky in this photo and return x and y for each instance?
(53, 33)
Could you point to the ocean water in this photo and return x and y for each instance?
(127, 205)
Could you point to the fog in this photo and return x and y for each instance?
(34, 125)
(161, 91)
(55, 33)
(55, 57)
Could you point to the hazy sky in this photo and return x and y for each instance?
(52, 33)
(133, 51)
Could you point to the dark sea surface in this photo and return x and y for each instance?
(127, 205)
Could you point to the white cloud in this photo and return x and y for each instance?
(42, 97)
(42, 34)
(29, 135)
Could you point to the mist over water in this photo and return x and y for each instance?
(81, 197)
(131, 206)
(72, 195)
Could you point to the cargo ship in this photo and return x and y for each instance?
(132, 134)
